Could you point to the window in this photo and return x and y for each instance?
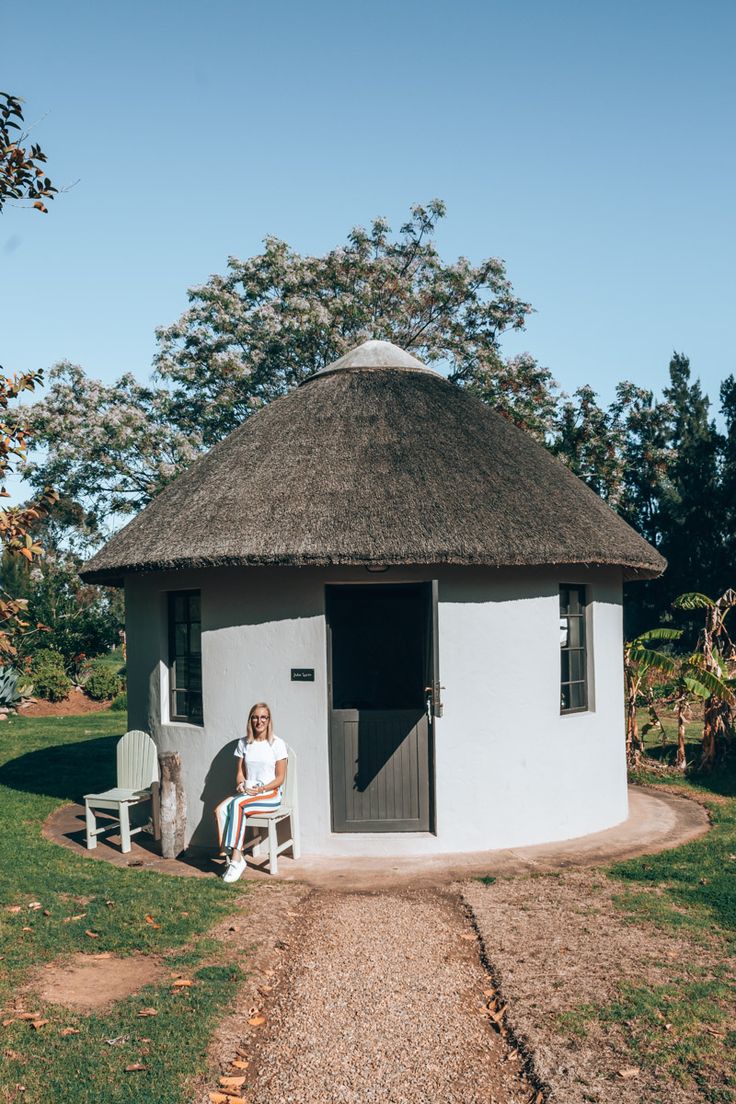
(573, 654)
(185, 656)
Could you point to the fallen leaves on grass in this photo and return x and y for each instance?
(38, 1024)
(71, 1031)
(151, 921)
(239, 1063)
(92, 934)
(148, 1011)
(257, 1021)
(628, 1072)
(118, 1040)
(135, 1067)
(182, 983)
(225, 1098)
(34, 905)
(79, 916)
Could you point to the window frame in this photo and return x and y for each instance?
(190, 717)
(582, 649)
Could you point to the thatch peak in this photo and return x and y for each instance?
(374, 354)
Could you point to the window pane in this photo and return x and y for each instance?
(564, 634)
(577, 695)
(575, 632)
(577, 665)
(195, 707)
(565, 666)
(194, 607)
(181, 640)
(195, 637)
(564, 599)
(565, 696)
(180, 703)
(180, 609)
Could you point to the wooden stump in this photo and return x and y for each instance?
(173, 806)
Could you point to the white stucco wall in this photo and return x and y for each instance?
(510, 770)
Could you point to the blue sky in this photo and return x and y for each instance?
(590, 145)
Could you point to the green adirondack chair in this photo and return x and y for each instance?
(138, 781)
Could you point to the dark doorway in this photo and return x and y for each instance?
(381, 663)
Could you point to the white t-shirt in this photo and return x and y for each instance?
(260, 759)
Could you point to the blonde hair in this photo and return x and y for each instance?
(269, 727)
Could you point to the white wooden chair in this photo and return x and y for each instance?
(287, 810)
(138, 781)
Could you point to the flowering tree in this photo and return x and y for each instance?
(21, 178)
(251, 334)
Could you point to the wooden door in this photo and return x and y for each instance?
(381, 664)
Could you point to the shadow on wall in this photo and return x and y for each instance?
(219, 783)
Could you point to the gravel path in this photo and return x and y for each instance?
(382, 1000)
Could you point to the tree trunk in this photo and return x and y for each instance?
(633, 741)
(173, 806)
(681, 762)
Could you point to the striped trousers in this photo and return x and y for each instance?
(232, 815)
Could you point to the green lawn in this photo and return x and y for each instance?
(45, 762)
(690, 890)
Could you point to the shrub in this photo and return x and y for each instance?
(50, 680)
(120, 703)
(9, 693)
(103, 682)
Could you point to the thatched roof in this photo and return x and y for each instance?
(376, 459)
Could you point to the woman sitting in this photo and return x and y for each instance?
(259, 780)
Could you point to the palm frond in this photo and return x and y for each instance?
(659, 634)
(693, 600)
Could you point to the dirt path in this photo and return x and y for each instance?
(383, 997)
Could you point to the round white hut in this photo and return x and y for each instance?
(429, 601)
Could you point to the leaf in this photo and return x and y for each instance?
(239, 1063)
(14, 908)
(92, 934)
(692, 601)
(37, 1024)
(152, 922)
(257, 1021)
(232, 1082)
(70, 1031)
(628, 1072)
(135, 1067)
(148, 1011)
(34, 905)
(219, 1098)
(182, 983)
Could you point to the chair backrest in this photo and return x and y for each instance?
(289, 797)
(137, 761)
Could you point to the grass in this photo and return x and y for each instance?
(685, 1028)
(45, 762)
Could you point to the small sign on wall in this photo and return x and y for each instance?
(302, 674)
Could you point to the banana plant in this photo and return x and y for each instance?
(639, 659)
(711, 671)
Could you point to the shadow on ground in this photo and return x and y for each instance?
(66, 771)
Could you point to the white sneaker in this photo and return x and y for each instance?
(234, 870)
